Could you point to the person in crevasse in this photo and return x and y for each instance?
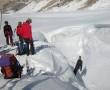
(78, 65)
(8, 33)
(27, 36)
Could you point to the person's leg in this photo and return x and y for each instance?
(27, 46)
(75, 71)
(21, 40)
(11, 39)
(7, 40)
(21, 44)
(32, 47)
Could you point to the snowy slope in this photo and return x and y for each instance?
(48, 65)
(46, 22)
(56, 6)
(101, 4)
(48, 5)
(62, 39)
(72, 5)
(34, 6)
(51, 60)
(97, 52)
(28, 8)
(92, 43)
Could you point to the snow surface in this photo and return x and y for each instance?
(59, 39)
(52, 61)
(93, 44)
(48, 65)
(47, 22)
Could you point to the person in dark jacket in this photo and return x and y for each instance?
(8, 33)
(78, 65)
(27, 36)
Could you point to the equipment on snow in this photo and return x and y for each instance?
(21, 48)
(10, 67)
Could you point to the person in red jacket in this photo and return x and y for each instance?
(20, 44)
(8, 33)
(27, 36)
(19, 32)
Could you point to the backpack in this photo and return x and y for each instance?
(10, 67)
(21, 49)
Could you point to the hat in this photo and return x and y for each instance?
(6, 21)
(29, 20)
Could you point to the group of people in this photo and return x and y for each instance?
(24, 32)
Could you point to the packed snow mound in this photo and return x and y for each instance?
(39, 36)
(92, 43)
(49, 61)
(97, 58)
(69, 34)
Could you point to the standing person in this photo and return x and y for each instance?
(21, 41)
(8, 33)
(19, 32)
(27, 36)
(78, 65)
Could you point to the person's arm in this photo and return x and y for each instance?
(30, 30)
(17, 31)
(4, 31)
(10, 29)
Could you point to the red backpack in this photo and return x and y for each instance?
(10, 66)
